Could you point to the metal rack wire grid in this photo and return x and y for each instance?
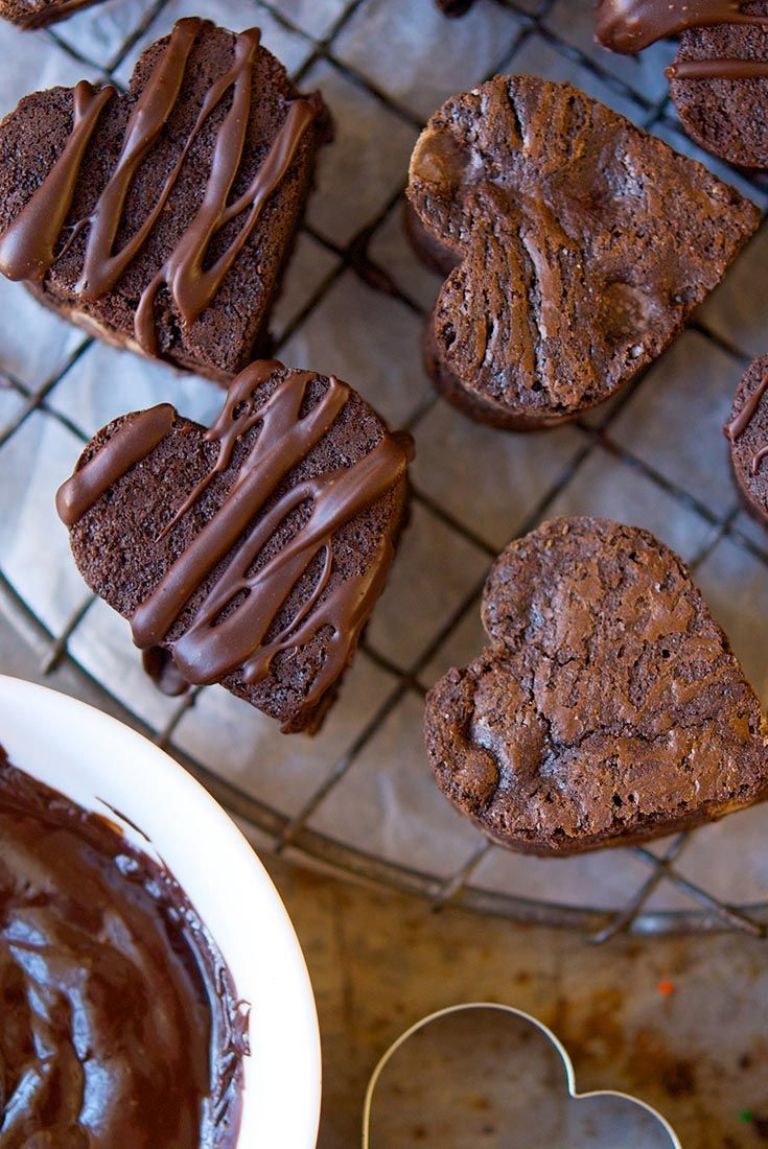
(359, 799)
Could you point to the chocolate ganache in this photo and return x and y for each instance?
(120, 1026)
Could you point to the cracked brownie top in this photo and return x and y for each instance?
(608, 706)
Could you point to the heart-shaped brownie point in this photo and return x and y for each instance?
(608, 707)
(39, 13)
(161, 219)
(747, 431)
(251, 554)
(578, 245)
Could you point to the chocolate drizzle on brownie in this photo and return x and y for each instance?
(747, 434)
(129, 445)
(758, 458)
(28, 246)
(232, 627)
(738, 425)
(718, 69)
(630, 25)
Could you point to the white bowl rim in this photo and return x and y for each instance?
(112, 768)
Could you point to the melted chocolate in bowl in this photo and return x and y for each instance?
(119, 1022)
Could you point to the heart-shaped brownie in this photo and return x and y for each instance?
(251, 554)
(719, 80)
(608, 707)
(161, 219)
(39, 13)
(575, 246)
(747, 431)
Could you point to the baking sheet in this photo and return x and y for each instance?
(657, 458)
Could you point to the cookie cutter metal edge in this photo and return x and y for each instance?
(570, 1075)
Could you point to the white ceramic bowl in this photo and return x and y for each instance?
(98, 763)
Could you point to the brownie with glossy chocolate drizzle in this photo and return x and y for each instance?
(40, 13)
(161, 219)
(719, 80)
(251, 554)
(121, 1027)
(747, 434)
(573, 246)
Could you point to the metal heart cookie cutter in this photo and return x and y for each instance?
(466, 1081)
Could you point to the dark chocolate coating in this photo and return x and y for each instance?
(120, 1022)
(40, 13)
(252, 553)
(608, 707)
(747, 433)
(162, 219)
(579, 244)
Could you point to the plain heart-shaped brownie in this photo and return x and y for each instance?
(161, 219)
(719, 80)
(747, 432)
(39, 13)
(574, 245)
(251, 554)
(608, 707)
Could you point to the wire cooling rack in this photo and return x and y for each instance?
(359, 799)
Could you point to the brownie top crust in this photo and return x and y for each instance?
(579, 244)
